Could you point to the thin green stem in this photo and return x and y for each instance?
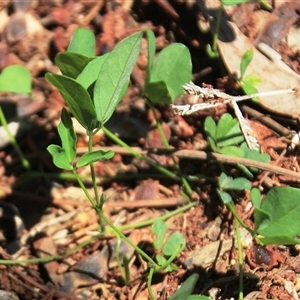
(167, 145)
(124, 237)
(24, 161)
(149, 282)
(90, 198)
(236, 216)
(171, 258)
(126, 269)
(240, 258)
(140, 156)
(150, 222)
(217, 30)
(93, 172)
(107, 231)
(47, 258)
(159, 126)
(117, 252)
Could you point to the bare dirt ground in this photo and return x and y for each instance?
(56, 215)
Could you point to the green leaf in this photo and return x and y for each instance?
(198, 297)
(77, 98)
(212, 53)
(151, 52)
(231, 150)
(252, 79)
(279, 240)
(237, 184)
(212, 144)
(71, 64)
(91, 71)
(262, 219)
(114, 75)
(249, 83)
(83, 42)
(67, 135)
(172, 67)
(186, 288)
(158, 92)
(250, 89)
(254, 155)
(246, 171)
(233, 2)
(228, 131)
(175, 242)
(245, 61)
(16, 79)
(159, 229)
(225, 197)
(210, 128)
(60, 158)
(91, 157)
(162, 261)
(255, 196)
(283, 207)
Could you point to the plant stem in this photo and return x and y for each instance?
(117, 252)
(111, 225)
(167, 145)
(124, 237)
(24, 161)
(97, 199)
(212, 50)
(159, 127)
(150, 222)
(107, 231)
(140, 156)
(126, 269)
(90, 198)
(46, 258)
(149, 281)
(93, 172)
(170, 259)
(238, 219)
(240, 258)
(217, 30)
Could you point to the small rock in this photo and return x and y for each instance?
(4, 295)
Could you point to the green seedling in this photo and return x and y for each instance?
(275, 218)
(15, 79)
(93, 107)
(212, 50)
(278, 206)
(164, 81)
(248, 83)
(92, 86)
(226, 138)
(231, 184)
(170, 248)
